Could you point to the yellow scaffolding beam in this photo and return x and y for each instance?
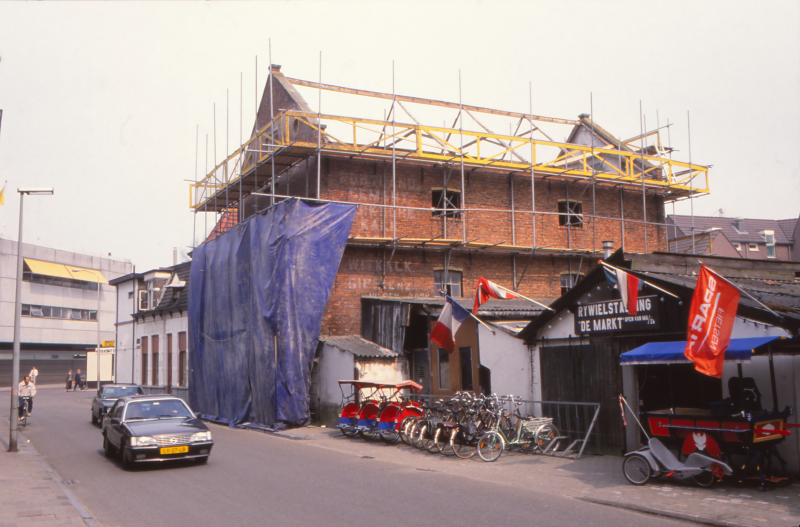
(292, 135)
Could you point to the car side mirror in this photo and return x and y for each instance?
(197, 415)
(114, 420)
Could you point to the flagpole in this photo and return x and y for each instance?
(741, 290)
(470, 314)
(525, 297)
(645, 281)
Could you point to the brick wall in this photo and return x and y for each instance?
(410, 272)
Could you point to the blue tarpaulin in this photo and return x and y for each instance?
(739, 350)
(256, 298)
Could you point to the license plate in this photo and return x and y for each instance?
(174, 450)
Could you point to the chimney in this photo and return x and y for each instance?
(740, 225)
(174, 256)
(608, 248)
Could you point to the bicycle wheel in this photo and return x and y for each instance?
(490, 446)
(348, 432)
(705, 478)
(428, 440)
(391, 437)
(546, 439)
(636, 469)
(442, 441)
(413, 433)
(24, 421)
(405, 427)
(460, 447)
(368, 435)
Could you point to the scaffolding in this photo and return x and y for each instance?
(641, 163)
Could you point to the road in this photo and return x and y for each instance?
(254, 478)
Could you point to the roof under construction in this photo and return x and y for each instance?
(288, 131)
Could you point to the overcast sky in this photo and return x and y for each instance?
(102, 100)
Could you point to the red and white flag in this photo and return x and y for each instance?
(484, 290)
(711, 319)
(628, 286)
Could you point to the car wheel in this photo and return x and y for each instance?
(202, 460)
(94, 419)
(108, 447)
(127, 464)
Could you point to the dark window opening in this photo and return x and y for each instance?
(466, 369)
(570, 213)
(450, 284)
(444, 369)
(449, 200)
(568, 281)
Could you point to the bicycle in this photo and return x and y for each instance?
(24, 409)
(531, 433)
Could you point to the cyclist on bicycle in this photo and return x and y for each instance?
(27, 390)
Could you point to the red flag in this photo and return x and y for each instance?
(484, 290)
(711, 319)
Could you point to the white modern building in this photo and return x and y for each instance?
(60, 312)
(152, 322)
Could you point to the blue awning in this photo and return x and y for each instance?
(739, 350)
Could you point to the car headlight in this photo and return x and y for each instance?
(201, 436)
(143, 441)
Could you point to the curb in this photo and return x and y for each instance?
(659, 512)
(87, 517)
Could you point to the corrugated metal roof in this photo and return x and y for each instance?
(358, 346)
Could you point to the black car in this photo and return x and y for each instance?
(107, 395)
(146, 428)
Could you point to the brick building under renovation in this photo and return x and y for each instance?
(439, 207)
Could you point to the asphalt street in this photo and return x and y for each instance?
(254, 478)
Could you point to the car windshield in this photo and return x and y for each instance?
(159, 409)
(115, 392)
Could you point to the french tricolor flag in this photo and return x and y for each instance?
(628, 286)
(444, 332)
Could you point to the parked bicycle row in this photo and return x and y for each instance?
(461, 426)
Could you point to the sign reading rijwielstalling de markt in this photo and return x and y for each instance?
(611, 316)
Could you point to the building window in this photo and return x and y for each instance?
(183, 365)
(29, 276)
(64, 313)
(466, 369)
(569, 280)
(769, 238)
(737, 246)
(130, 294)
(156, 363)
(446, 199)
(570, 213)
(144, 362)
(444, 369)
(752, 247)
(451, 284)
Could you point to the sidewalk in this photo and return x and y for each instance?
(31, 492)
(595, 479)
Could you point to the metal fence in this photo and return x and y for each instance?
(575, 422)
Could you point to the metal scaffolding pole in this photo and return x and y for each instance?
(196, 149)
(394, 174)
(272, 126)
(691, 176)
(594, 172)
(319, 127)
(461, 155)
(644, 195)
(533, 163)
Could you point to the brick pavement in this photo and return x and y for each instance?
(596, 479)
(31, 492)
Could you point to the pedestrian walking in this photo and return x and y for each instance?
(77, 382)
(33, 374)
(69, 381)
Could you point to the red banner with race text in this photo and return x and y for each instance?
(711, 319)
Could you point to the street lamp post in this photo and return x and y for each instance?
(97, 319)
(12, 428)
